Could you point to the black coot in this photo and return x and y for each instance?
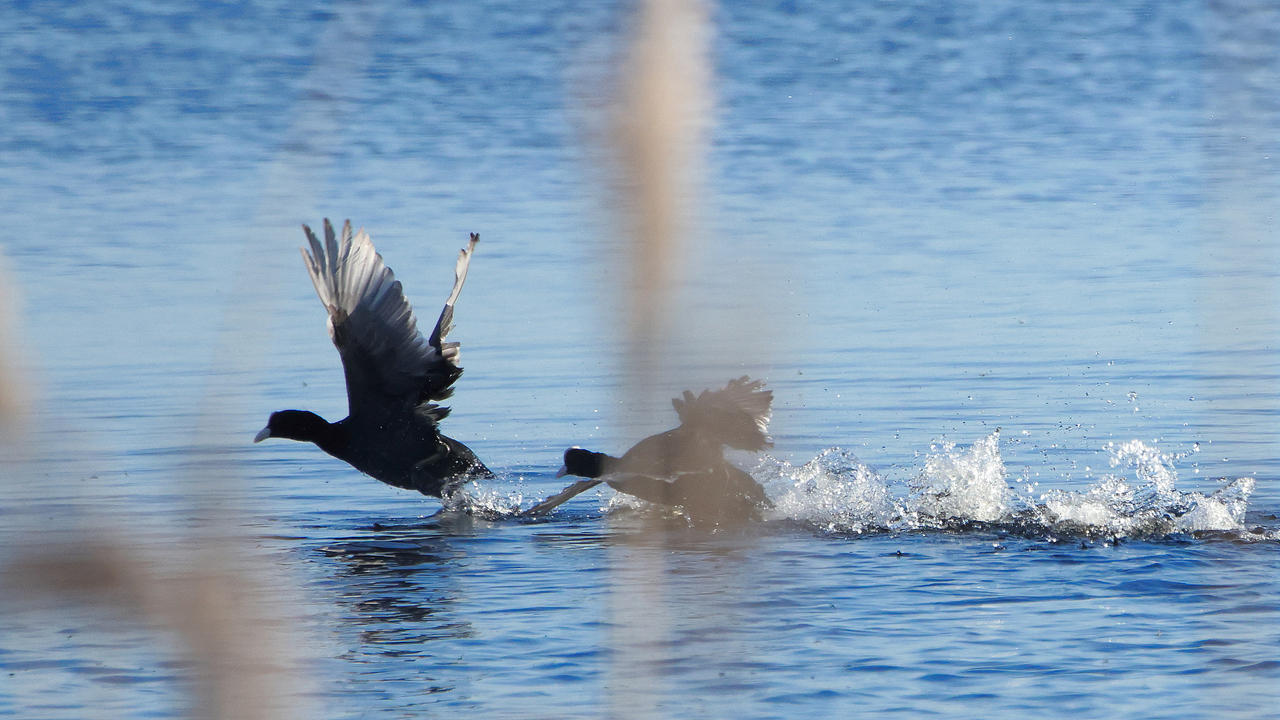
(394, 375)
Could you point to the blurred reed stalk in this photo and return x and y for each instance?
(14, 386)
(1239, 303)
(661, 114)
(229, 611)
(204, 590)
(213, 604)
(233, 654)
(660, 119)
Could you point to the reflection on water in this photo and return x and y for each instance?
(399, 577)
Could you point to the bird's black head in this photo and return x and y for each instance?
(583, 463)
(295, 425)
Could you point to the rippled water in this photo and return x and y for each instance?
(1011, 271)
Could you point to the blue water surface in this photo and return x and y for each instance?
(1010, 269)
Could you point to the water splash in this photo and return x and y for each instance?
(835, 491)
(1141, 499)
(479, 499)
(959, 488)
(962, 485)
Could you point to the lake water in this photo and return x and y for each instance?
(1011, 270)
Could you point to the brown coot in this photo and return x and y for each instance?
(686, 466)
(393, 374)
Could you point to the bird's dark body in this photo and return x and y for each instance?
(407, 453)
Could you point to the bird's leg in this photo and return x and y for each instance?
(560, 498)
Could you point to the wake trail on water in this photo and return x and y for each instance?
(961, 489)
(966, 489)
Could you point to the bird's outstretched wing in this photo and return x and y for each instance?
(388, 364)
(737, 416)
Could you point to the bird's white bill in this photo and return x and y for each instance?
(562, 471)
(263, 434)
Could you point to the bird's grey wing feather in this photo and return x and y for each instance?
(386, 360)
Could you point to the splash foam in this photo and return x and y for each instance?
(960, 487)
